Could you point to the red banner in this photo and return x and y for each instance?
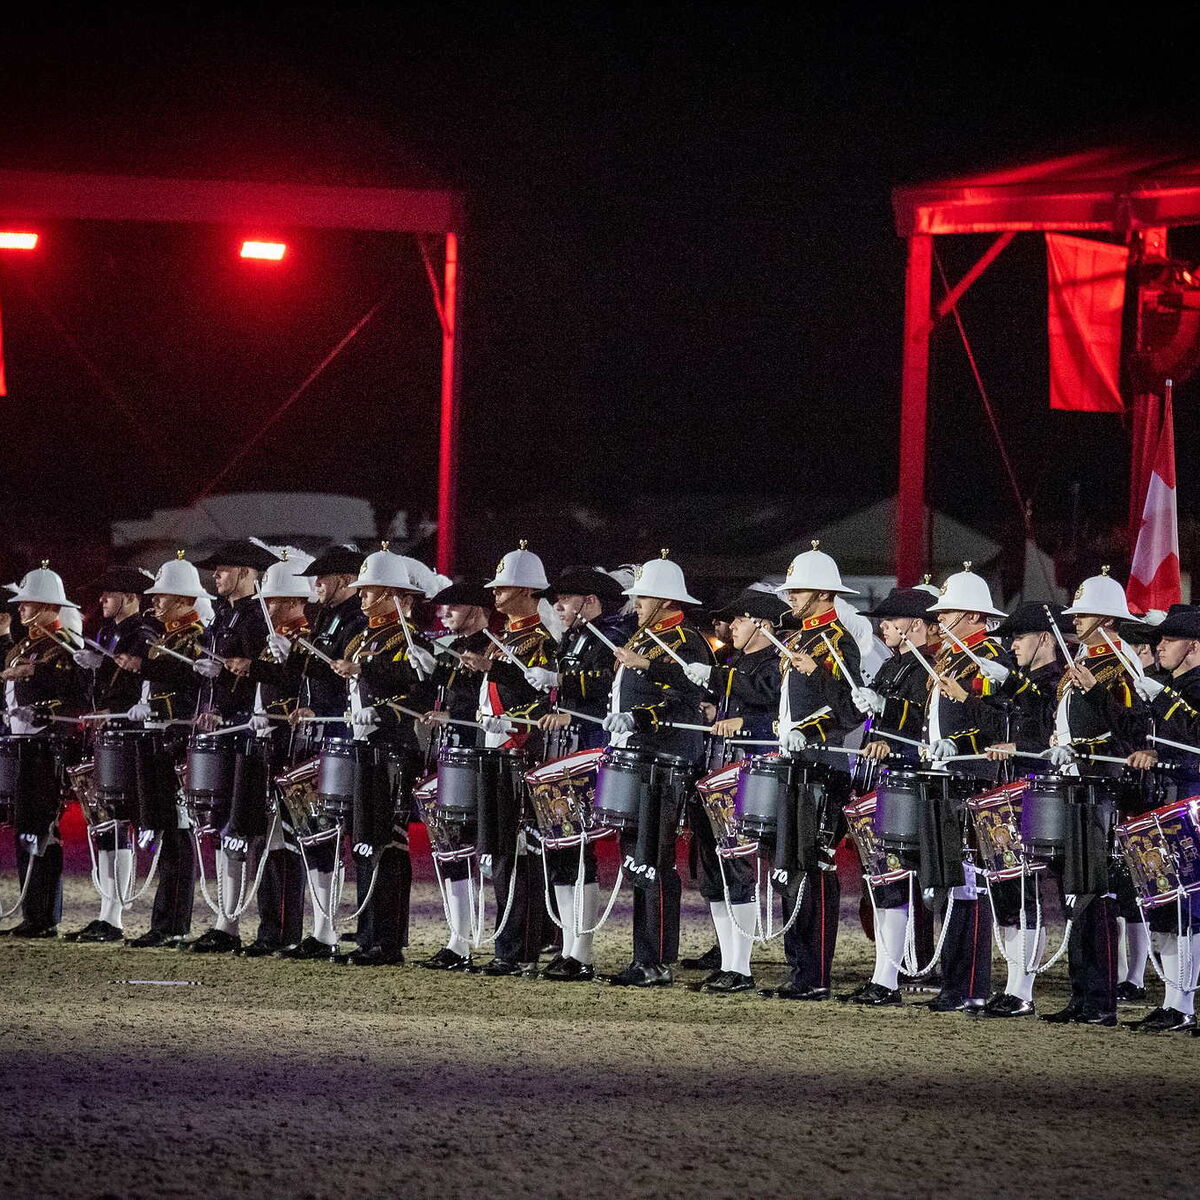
(1087, 296)
(1154, 583)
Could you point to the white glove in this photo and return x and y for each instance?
(868, 702)
(698, 673)
(943, 748)
(1060, 756)
(540, 678)
(365, 718)
(208, 667)
(22, 713)
(145, 839)
(89, 660)
(363, 849)
(280, 646)
(140, 712)
(260, 723)
(1147, 688)
(993, 672)
(796, 739)
(422, 661)
(496, 725)
(620, 722)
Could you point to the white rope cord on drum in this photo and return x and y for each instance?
(909, 962)
(550, 906)
(577, 922)
(508, 904)
(768, 935)
(755, 934)
(5, 913)
(338, 869)
(1185, 941)
(910, 949)
(130, 897)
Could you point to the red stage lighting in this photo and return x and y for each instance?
(18, 241)
(272, 251)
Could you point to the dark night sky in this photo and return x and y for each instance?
(682, 273)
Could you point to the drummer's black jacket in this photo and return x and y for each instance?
(1108, 718)
(980, 720)
(586, 666)
(113, 689)
(1034, 697)
(56, 687)
(281, 681)
(747, 686)
(458, 689)
(238, 630)
(904, 686)
(826, 686)
(174, 686)
(333, 627)
(1176, 714)
(662, 693)
(506, 686)
(389, 677)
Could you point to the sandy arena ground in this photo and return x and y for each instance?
(298, 1080)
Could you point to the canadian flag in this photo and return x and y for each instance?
(1154, 576)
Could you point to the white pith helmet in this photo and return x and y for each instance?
(385, 569)
(814, 571)
(660, 579)
(1100, 596)
(42, 586)
(178, 577)
(520, 568)
(964, 591)
(283, 580)
(926, 585)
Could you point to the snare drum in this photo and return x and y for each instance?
(562, 791)
(1044, 815)
(1162, 849)
(120, 755)
(460, 784)
(208, 780)
(998, 817)
(298, 796)
(82, 782)
(761, 790)
(879, 864)
(896, 822)
(448, 840)
(338, 772)
(717, 791)
(625, 776)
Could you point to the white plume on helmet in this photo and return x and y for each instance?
(661, 579)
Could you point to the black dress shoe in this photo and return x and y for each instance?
(27, 929)
(1006, 1005)
(153, 938)
(309, 949)
(447, 960)
(1130, 993)
(790, 992)
(642, 975)
(710, 960)
(260, 949)
(1064, 1016)
(499, 967)
(875, 995)
(1165, 1020)
(214, 941)
(1095, 1016)
(852, 997)
(947, 1002)
(96, 931)
(377, 956)
(729, 983)
(569, 970)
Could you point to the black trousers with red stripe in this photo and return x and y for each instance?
(281, 899)
(656, 905)
(967, 951)
(1092, 953)
(808, 945)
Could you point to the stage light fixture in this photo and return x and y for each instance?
(10, 240)
(271, 251)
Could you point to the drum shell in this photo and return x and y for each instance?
(210, 767)
(1044, 816)
(622, 778)
(338, 771)
(460, 784)
(762, 786)
(562, 792)
(896, 819)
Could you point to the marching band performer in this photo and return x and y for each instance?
(388, 664)
(514, 682)
(1098, 713)
(650, 691)
(895, 705)
(583, 597)
(744, 694)
(123, 630)
(169, 689)
(1175, 710)
(818, 675)
(964, 717)
(40, 681)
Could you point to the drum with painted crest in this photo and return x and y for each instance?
(718, 791)
(1162, 850)
(81, 779)
(998, 817)
(879, 863)
(302, 805)
(562, 792)
(449, 840)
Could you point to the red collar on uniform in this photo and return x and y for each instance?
(189, 618)
(826, 618)
(667, 622)
(381, 619)
(1098, 651)
(299, 625)
(522, 623)
(980, 635)
(37, 632)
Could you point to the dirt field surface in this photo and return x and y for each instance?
(305, 1080)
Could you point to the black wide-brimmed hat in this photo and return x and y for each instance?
(1182, 622)
(761, 606)
(1030, 617)
(238, 554)
(1139, 633)
(126, 580)
(336, 560)
(905, 603)
(473, 594)
(587, 581)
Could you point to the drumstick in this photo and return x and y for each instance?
(313, 650)
(87, 641)
(1102, 758)
(173, 653)
(344, 719)
(582, 716)
(658, 641)
(837, 658)
(916, 650)
(1058, 637)
(231, 729)
(408, 640)
(266, 612)
(899, 737)
(512, 658)
(963, 758)
(769, 633)
(964, 648)
(412, 712)
(1130, 664)
(99, 716)
(607, 641)
(1174, 745)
